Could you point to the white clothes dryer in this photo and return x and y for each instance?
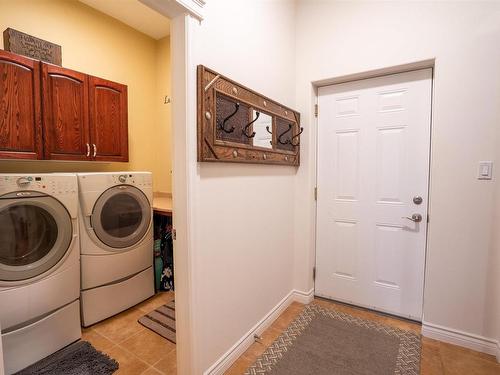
(39, 266)
(116, 237)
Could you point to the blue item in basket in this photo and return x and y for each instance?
(158, 267)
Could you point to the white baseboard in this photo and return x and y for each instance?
(460, 338)
(303, 297)
(223, 363)
(498, 351)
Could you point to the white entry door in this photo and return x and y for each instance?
(373, 174)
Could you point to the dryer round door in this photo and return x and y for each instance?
(121, 216)
(35, 234)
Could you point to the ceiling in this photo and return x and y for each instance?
(135, 14)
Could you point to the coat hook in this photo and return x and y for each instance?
(282, 134)
(245, 130)
(295, 136)
(223, 125)
(270, 132)
(167, 99)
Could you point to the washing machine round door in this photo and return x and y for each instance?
(35, 233)
(121, 216)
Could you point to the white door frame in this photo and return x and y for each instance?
(184, 16)
(424, 64)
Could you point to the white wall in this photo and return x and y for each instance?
(1, 356)
(241, 233)
(493, 290)
(340, 38)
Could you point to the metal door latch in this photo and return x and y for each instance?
(417, 218)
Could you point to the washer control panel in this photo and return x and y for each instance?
(53, 185)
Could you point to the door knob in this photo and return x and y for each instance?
(417, 199)
(417, 218)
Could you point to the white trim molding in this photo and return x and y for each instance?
(498, 351)
(224, 362)
(173, 8)
(461, 338)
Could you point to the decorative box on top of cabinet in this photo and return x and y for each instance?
(84, 117)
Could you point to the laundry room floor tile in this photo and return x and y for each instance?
(148, 346)
(156, 301)
(152, 371)
(98, 341)
(168, 364)
(129, 363)
(137, 349)
(122, 326)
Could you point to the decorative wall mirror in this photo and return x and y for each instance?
(236, 124)
(262, 128)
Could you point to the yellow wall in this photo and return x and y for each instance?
(97, 44)
(163, 154)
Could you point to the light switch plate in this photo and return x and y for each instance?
(485, 170)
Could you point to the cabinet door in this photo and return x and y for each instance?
(108, 120)
(65, 114)
(20, 119)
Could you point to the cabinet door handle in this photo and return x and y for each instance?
(88, 150)
(95, 150)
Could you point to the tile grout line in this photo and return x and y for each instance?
(161, 359)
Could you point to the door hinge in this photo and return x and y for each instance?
(314, 273)
(428, 218)
(315, 110)
(315, 193)
(174, 234)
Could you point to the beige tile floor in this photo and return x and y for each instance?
(438, 358)
(140, 351)
(137, 349)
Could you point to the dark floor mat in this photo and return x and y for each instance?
(79, 358)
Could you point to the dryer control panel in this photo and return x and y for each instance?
(142, 180)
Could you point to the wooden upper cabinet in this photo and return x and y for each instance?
(20, 114)
(65, 114)
(108, 120)
(53, 113)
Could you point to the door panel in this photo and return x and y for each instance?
(20, 115)
(373, 158)
(108, 118)
(65, 103)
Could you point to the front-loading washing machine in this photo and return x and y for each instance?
(116, 238)
(39, 266)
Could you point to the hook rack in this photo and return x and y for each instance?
(245, 129)
(223, 125)
(239, 125)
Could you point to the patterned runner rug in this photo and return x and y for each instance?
(161, 321)
(323, 341)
